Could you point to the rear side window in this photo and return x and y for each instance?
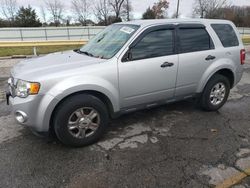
(154, 44)
(194, 39)
(226, 34)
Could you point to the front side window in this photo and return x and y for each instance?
(154, 44)
(194, 39)
(226, 34)
(108, 42)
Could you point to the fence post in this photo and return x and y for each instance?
(68, 33)
(88, 33)
(21, 34)
(45, 31)
(34, 51)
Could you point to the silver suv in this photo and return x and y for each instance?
(126, 67)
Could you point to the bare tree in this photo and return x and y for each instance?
(9, 9)
(67, 20)
(160, 9)
(55, 8)
(117, 7)
(102, 11)
(81, 9)
(206, 9)
(126, 10)
(43, 14)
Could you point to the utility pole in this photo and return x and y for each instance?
(178, 6)
(128, 11)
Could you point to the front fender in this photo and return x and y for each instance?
(75, 84)
(212, 69)
(72, 85)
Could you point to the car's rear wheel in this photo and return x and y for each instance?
(80, 120)
(215, 93)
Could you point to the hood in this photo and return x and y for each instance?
(52, 63)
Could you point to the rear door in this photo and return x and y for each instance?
(196, 53)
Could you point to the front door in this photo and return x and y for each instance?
(149, 74)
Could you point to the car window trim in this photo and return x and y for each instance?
(191, 26)
(147, 31)
(225, 24)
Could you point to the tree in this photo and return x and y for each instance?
(43, 14)
(158, 11)
(9, 9)
(117, 8)
(68, 20)
(55, 8)
(27, 17)
(81, 10)
(149, 14)
(247, 16)
(102, 11)
(239, 15)
(3, 23)
(207, 9)
(126, 10)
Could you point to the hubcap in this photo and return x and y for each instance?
(218, 94)
(83, 122)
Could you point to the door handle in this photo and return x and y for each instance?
(210, 57)
(167, 64)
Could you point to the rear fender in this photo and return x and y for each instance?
(213, 69)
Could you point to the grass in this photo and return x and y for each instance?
(40, 50)
(49, 49)
(246, 40)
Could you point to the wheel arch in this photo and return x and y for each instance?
(228, 74)
(225, 71)
(104, 98)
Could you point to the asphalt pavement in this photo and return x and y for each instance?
(176, 145)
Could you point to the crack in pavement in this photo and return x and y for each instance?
(162, 145)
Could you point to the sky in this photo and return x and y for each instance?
(186, 6)
(139, 6)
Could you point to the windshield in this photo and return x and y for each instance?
(109, 41)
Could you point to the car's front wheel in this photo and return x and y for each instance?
(215, 93)
(80, 120)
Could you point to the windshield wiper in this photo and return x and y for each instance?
(87, 53)
(84, 52)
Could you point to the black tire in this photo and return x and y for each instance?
(64, 112)
(205, 101)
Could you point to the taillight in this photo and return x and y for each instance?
(242, 56)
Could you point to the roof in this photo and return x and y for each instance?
(167, 21)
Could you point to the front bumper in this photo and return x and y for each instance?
(36, 110)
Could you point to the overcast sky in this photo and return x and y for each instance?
(139, 6)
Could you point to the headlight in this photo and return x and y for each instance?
(24, 88)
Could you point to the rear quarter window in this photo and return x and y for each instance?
(194, 40)
(226, 34)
